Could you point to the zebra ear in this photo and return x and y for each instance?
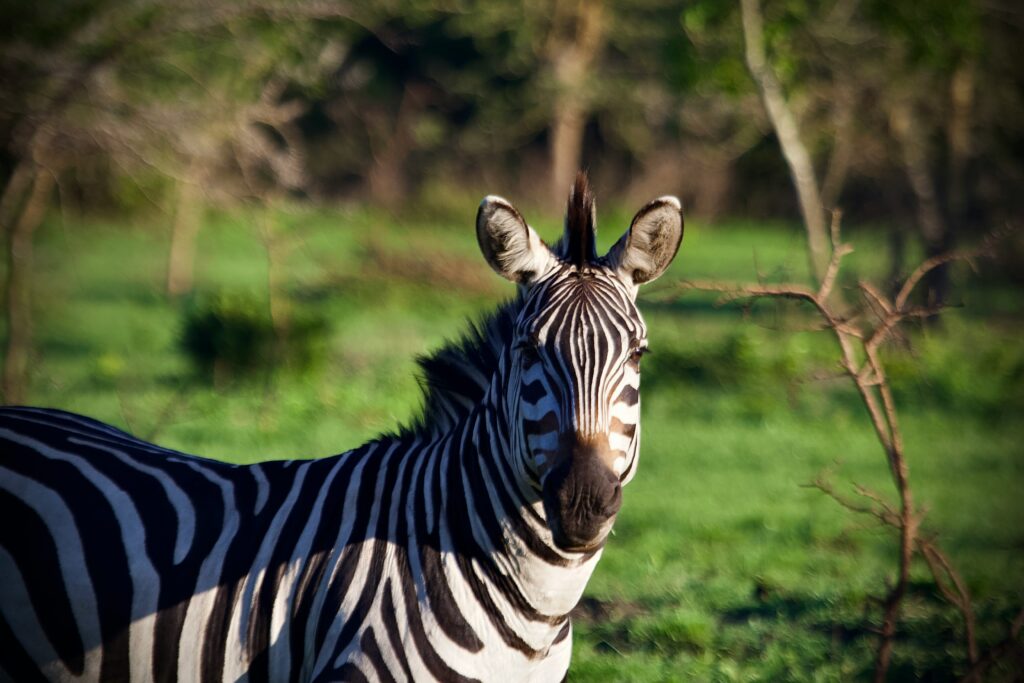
(651, 242)
(510, 246)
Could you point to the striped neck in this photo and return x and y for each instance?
(467, 539)
(501, 488)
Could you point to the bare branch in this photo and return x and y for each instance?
(784, 123)
(891, 513)
(986, 249)
(876, 394)
(826, 487)
(998, 651)
(788, 291)
(839, 250)
(956, 594)
(877, 298)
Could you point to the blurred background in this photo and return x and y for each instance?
(231, 226)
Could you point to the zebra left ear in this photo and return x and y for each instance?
(650, 244)
(511, 247)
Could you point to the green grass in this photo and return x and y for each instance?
(722, 567)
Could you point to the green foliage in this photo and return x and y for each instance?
(230, 335)
(417, 90)
(673, 631)
(938, 34)
(227, 333)
(721, 567)
(772, 367)
(988, 380)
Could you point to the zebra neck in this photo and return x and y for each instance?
(495, 516)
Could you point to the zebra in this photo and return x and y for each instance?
(452, 549)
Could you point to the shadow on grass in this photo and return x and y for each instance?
(929, 644)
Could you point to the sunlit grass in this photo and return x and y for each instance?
(722, 566)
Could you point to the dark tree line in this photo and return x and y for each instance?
(907, 109)
(911, 114)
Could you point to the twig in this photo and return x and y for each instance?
(998, 651)
(839, 250)
(869, 378)
(928, 265)
(875, 297)
(940, 567)
(826, 487)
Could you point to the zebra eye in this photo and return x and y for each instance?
(636, 354)
(529, 352)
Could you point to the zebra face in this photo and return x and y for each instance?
(580, 342)
(573, 391)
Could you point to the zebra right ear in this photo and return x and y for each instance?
(511, 247)
(651, 242)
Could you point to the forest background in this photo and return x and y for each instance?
(230, 227)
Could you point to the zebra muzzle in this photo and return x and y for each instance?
(581, 496)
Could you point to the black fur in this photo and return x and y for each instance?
(580, 230)
(451, 376)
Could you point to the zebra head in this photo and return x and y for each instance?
(573, 390)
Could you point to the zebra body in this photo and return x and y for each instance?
(452, 550)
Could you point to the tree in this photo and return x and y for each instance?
(793, 149)
(151, 87)
(573, 44)
(930, 101)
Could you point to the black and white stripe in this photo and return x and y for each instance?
(580, 330)
(430, 554)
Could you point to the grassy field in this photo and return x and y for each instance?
(722, 566)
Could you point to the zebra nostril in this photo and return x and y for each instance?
(608, 504)
(582, 500)
(615, 499)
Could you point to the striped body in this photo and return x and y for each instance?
(453, 550)
(359, 564)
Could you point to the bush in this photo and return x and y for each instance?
(231, 335)
(987, 381)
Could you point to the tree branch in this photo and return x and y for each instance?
(784, 123)
(872, 384)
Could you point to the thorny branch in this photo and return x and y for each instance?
(859, 335)
(1007, 646)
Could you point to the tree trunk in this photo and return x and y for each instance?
(277, 246)
(897, 259)
(572, 49)
(566, 147)
(187, 219)
(958, 135)
(934, 230)
(19, 288)
(386, 180)
(14, 192)
(842, 146)
(793, 149)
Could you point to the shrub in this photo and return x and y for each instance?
(231, 335)
(985, 381)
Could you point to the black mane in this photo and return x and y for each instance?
(456, 377)
(580, 232)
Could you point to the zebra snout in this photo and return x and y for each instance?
(582, 495)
